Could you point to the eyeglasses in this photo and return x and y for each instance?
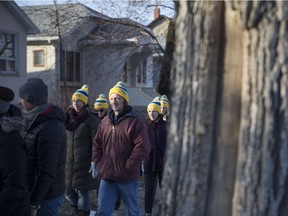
(99, 110)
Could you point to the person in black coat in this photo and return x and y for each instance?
(14, 196)
(81, 126)
(154, 164)
(45, 143)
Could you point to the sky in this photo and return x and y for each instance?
(140, 11)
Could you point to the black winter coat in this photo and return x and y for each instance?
(45, 141)
(79, 155)
(157, 132)
(14, 196)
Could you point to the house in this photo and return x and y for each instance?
(160, 26)
(78, 45)
(14, 27)
(126, 53)
(163, 29)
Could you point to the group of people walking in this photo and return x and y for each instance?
(48, 155)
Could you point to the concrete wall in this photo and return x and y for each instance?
(50, 58)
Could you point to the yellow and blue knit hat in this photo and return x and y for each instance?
(154, 105)
(81, 94)
(120, 89)
(101, 102)
(164, 101)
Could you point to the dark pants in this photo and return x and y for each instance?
(150, 189)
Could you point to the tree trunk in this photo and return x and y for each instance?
(194, 84)
(261, 180)
(227, 150)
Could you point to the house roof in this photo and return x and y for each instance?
(109, 30)
(21, 16)
(117, 31)
(48, 17)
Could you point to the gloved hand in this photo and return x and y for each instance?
(93, 170)
(141, 168)
(34, 209)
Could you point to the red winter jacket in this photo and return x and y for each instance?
(120, 146)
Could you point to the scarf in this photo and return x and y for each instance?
(74, 118)
(30, 115)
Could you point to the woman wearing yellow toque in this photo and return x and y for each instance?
(81, 126)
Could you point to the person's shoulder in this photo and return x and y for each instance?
(92, 120)
(137, 120)
(162, 121)
(55, 112)
(92, 117)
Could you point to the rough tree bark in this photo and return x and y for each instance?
(261, 186)
(228, 153)
(194, 82)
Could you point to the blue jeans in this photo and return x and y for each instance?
(79, 199)
(108, 194)
(50, 207)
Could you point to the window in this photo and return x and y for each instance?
(70, 67)
(144, 73)
(7, 53)
(124, 73)
(141, 72)
(38, 58)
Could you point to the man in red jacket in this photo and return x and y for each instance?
(120, 145)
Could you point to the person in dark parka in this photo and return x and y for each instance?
(14, 196)
(45, 143)
(81, 126)
(154, 163)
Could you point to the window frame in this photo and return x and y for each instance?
(11, 59)
(70, 60)
(141, 73)
(144, 73)
(42, 58)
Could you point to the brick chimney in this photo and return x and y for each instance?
(156, 12)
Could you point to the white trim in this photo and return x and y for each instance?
(42, 38)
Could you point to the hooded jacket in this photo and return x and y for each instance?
(14, 196)
(45, 142)
(120, 146)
